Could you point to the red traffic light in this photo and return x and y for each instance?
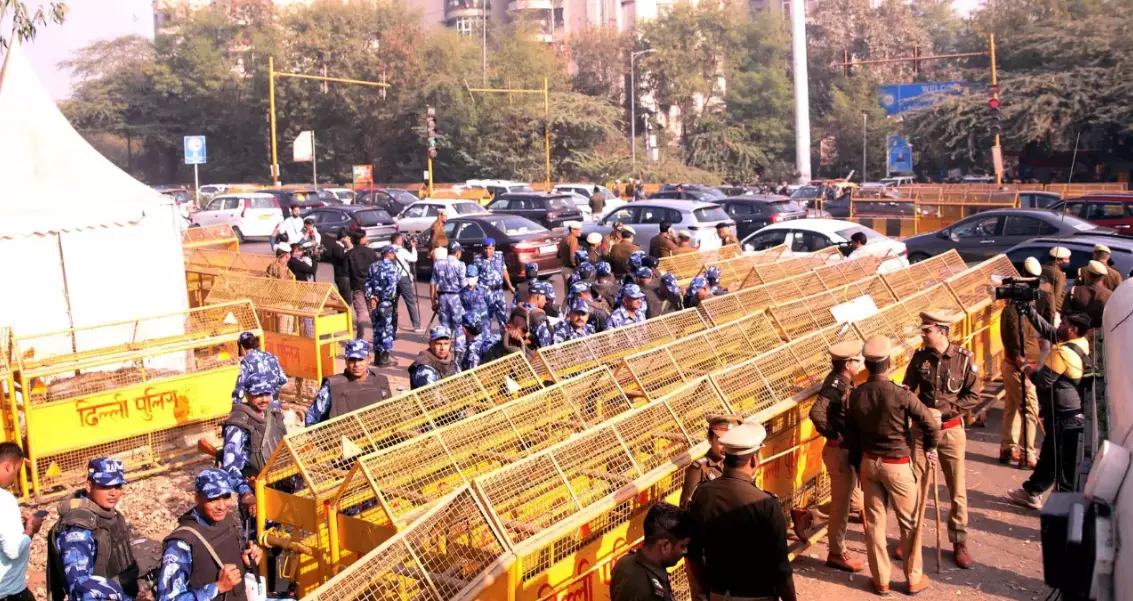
(993, 103)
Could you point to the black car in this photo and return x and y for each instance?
(330, 221)
(549, 210)
(305, 199)
(754, 212)
(986, 234)
(1081, 252)
(520, 240)
(390, 200)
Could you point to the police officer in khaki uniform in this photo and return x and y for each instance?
(711, 466)
(876, 433)
(1013, 447)
(1052, 269)
(1089, 294)
(829, 417)
(738, 550)
(1112, 277)
(619, 254)
(641, 575)
(944, 377)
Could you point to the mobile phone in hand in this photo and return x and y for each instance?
(41, 514)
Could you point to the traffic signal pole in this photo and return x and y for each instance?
(272, 74)
(996, 150)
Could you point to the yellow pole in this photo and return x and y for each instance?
(994, 82)
(430, 161)
(547, 127)
(271, 109)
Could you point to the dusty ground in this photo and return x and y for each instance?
(1002, 538)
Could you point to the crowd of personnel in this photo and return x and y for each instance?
(882, 438)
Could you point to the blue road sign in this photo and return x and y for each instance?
(900, 154)
(896, 99)
(195, 151)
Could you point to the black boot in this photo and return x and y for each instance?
(384, 360)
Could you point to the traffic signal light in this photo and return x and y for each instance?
(431, 131)
(996, 126)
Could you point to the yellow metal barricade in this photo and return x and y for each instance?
(203, 265)
(307, 469)
(9, 415)
(1070, 190)
(385, 490)
(688, 265)
(788, 266)
(304, 322)
(216, 237)
(141, 390)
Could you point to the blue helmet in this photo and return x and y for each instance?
(489, 242)
(471, 320)
(578, 288)
(455, 247)
(389, 248)
(644, 272)
(537, 287)
(632, 291)
(579, 306)
(697, 283)
(585, 271)
(531, 269)
(603, 269)
(635, 258)
(259, 384)
(213, 484)
(471, 271)
(440, 333)
(669, 281)
(712, 274)
(106, 471)
(357, 349)
(581, 256)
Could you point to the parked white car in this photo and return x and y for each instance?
(585, 190)
(804, 236)
(251, 214)
(419, 216)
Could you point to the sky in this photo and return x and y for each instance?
(91, 20)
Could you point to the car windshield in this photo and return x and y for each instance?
(713, 192)
(372, 217)
(785, 206)
(466, 208)
(850, 231)
(807, 192)
(516, 226)
(710, 214)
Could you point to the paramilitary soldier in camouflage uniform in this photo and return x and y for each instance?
(829, 417)
(251, 433)
(642, 575)
(944, 377)
(89, 556)
(255, 361)
(206, 556)
(358, 386)
(711, 466)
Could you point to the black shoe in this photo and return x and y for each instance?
(384, 360)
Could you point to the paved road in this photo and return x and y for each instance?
(407, 344)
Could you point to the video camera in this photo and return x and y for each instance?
(1018, 290)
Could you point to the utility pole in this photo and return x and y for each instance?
(484, 46)
(272, 74)
(633, 109)
(802, 91)
(996, 150)
(865, 139)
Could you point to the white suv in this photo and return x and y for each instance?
(253, 214)
(419, 216)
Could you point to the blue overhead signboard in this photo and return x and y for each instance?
(896, 99)
(900, 154)
(195, 152)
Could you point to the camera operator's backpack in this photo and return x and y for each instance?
(1086, 382)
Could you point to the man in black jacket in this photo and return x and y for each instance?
(358, 261)
(302, 267)
(335, 254)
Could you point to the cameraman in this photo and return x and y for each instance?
(1015, 357)
(1059, 389)
(301, 265)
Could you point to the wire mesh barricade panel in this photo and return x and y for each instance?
(804, 315)
(411, 476)
(209, 260)
(784, 373)
(722, 309)
(454, 398)
(454, 545)
(212, 235)
(653, 436)
(876, 289)
(597, 395)
(301, 298)
(682, 267)
(657, 371)
(770, 255)
(683, 323)
(596, 464)
(528, 497)
(971, 287)
(744, 388)
(569, 358)
(760, 332)
(692, 402)
(782, 291)
(508, 378)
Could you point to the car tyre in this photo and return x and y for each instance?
(917, 257)
(239, 234)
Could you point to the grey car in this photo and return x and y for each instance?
(645, 216)
(989, 233)
(1081, 251)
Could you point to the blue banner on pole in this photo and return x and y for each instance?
(896, 99)
(900, 154)
(195, 151)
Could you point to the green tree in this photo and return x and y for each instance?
(26, 22)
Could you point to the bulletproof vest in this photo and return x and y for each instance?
(265, 431)
(444, 368)
(347, 395)
(225, 539)
(114, 559)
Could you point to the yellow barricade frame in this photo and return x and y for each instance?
(304, 322)
(173, 372)
(203, 265)
(687, 265)
(219, 237)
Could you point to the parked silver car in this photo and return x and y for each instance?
(645, 216)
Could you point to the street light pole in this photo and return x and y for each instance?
(865, 139)
(633, 109)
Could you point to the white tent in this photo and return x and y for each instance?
(81, 242)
